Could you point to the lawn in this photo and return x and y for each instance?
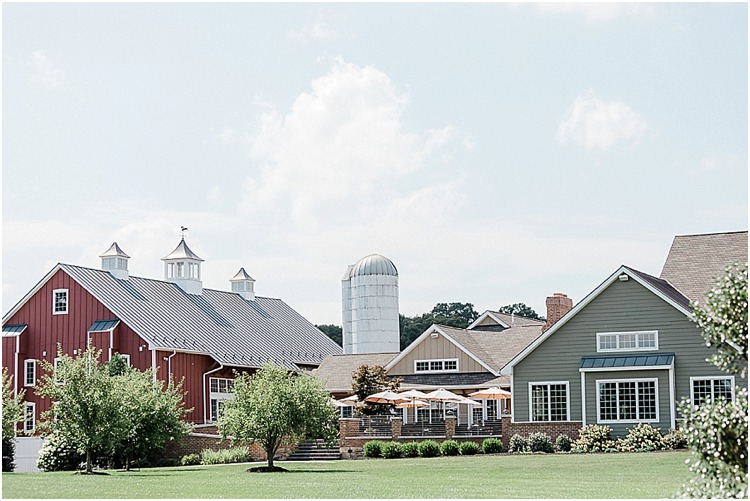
(638, 475)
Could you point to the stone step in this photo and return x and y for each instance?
(315, 450)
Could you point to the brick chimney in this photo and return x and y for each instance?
(557, 306)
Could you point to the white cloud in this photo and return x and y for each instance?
(341, 148)
(44, 72)
(317, 31)
(596, 11)
(594, 123)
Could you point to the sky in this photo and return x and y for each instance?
(496, 153)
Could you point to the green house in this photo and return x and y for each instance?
(629, 352)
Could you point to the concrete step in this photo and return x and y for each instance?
(315, 450)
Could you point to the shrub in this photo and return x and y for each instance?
(9, 454)
(190, 460)
(468, 448)
(429, 449)
(391, 450)
(410, 449)
(449, 448)
(674, 439)
(563, 443)
(492, 445)
(640, 438)
(540, 442)
(59, 454)
(594, 438)
(373, 449)
(225, 456)
(518, 444)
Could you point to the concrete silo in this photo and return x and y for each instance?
(369, 294)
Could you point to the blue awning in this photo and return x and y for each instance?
(103, 325)
(625, 362)
(14, 329)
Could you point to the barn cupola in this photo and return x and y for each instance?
(115, 261)
(183, 267)
(244, 285)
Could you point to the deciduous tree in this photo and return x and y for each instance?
(12, 415)
(274, 405)
(368, 380)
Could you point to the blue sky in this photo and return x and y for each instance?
(497, 153)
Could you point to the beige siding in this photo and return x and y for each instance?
(436, 348)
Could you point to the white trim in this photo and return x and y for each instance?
(26, 406)
(55, 292)
(221, 366)
(26, 371)
(484, 316)
(599, 335)
(512, 402)
(55, 363)
(637, 403)
(583, 399)
(710, 378)
(582, 304)
(628, 369)
(31, 293)
(549, 403)
(435, 328)
(672, 400)
(429, 363)
(15, 367)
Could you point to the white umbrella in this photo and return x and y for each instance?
(469, 401)
(412, 404)
(386, 397)
(349, 401)
(413, 394)
(443, 395)
(491, 393)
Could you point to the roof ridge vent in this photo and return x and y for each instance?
(183, 267)
(115, 261)
(244, 285)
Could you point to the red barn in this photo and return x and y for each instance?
(173, 326)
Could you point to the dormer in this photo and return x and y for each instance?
(244, 285)
(115, 261)
(183, 267)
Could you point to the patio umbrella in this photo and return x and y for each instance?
(412, 404)
(349, 401)
(386, 397)
(413, 394)
(338, 403)
(491, 393)
(443, 395)
(469, 401)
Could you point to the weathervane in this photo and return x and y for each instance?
(183, 229)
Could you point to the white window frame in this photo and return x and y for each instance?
(712, 379)
(429, 363)
(32, 363)
(549, 402)
(126, 357)
(620, 335)
(55, 292)
(55, 363)
(637, 401)
(219, 396)
(26, 414)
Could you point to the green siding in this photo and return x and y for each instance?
(621, 307)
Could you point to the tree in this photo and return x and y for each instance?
(368, 380)
(332, 331)
(273, 405)
(451, 314)
(520, 309)
(716, 431)
(12, 415)
(153, 413)
(87, 408)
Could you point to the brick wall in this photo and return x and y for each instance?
(196, 442)
(552, 429)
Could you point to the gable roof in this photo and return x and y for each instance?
(336, 370)
(695, 262)
(223, 325)
(659, 287)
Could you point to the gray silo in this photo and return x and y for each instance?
(369, 303)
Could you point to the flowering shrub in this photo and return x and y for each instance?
(563, 443)
(675, 439)
(594, 438)
(540, 442)
(641, 437)
(518, 443)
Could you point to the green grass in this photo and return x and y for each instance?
(639, 475)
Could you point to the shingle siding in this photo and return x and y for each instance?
(621, 307)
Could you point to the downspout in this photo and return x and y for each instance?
(169, 365)
(221, 366)
(111, 340)
(153, 362)
(672, 404)
(583, 399)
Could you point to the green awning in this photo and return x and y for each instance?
(103, 325)
(625, 362)
(14, 329)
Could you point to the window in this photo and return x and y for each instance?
(629, 400)
(55, 365)
(221, 389)
(126, 357)
(627, 341)
(436, 365)
(29, 417)
(60, 302)
(548, 401)
(702, 388)
(347, 411)
(29, 372)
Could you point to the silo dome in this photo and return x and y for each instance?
(374, 264)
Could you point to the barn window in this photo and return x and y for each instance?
(60, 302)
(29, 416)
(29, 372)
